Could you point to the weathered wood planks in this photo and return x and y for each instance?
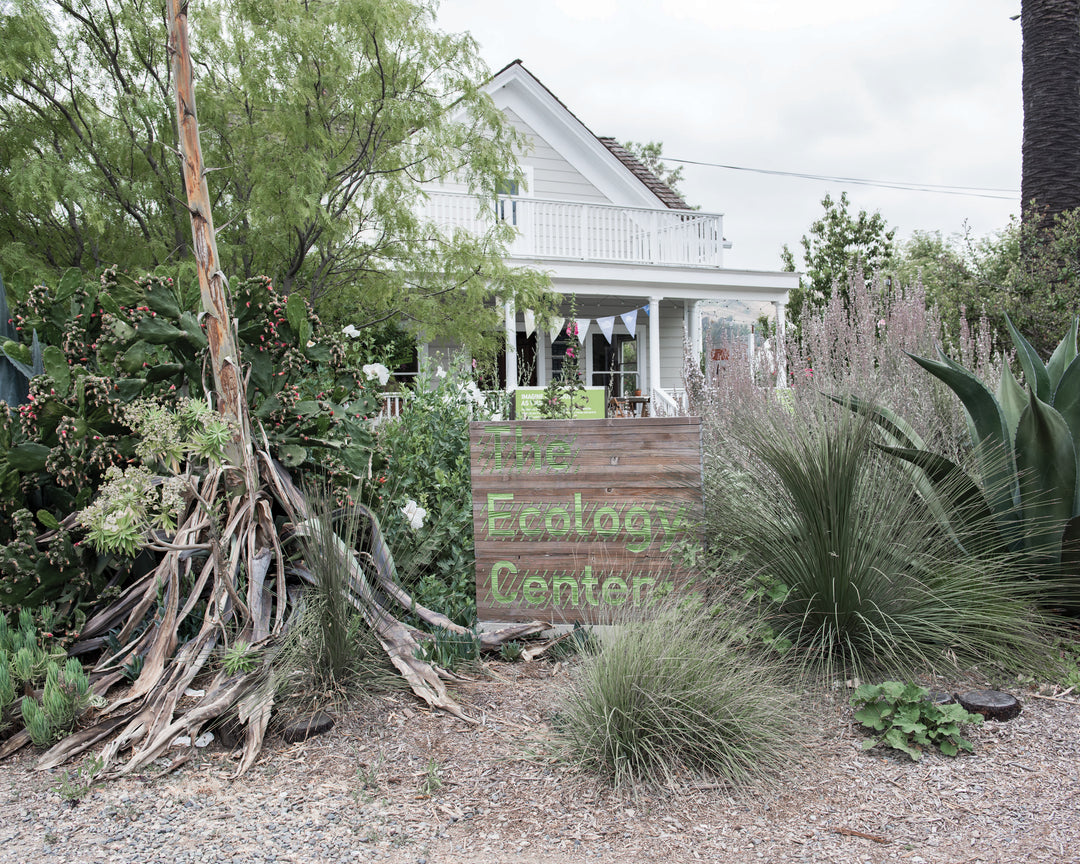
(575, 519)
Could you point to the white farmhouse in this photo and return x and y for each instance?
(637, 260)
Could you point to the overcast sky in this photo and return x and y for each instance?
(915, 91)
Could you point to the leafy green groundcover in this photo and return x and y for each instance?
(907, 719)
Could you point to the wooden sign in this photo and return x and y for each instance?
(575, 519)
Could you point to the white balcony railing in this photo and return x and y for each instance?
(591, 232)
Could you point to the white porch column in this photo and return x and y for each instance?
(586, 353)
(511, 346)
(654, 343)
(696, 342)
(781, 344)
(542, 342)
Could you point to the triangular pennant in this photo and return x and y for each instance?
(530, 322)
(645, 309)
(607, 326)
(555, 329)
(630, 320)
(582, 329)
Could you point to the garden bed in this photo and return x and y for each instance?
(396, 782)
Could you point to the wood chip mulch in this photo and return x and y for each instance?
(394, 782)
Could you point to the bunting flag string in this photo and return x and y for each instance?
(606, 324)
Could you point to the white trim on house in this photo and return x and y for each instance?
(683, 283)
(515, 87)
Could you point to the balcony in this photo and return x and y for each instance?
(574, 231)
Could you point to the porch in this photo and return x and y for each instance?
(571, 230)
(636, 354)
(635, 280)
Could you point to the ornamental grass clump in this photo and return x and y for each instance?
(679, 693)
(329, 648)
(863, 574)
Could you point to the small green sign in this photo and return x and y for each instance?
(527, 404)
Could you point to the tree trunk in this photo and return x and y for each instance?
(1050, 176)
(212, 282)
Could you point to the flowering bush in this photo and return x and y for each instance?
(863, 349)
(377, 372)
(426, 496)
(565, 394)
(414, 514)
(113, 341)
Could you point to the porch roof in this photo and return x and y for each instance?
(605, 279)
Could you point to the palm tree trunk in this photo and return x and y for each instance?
(1050, 177)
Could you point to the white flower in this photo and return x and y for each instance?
(351, 331)
(440, 372)
(415, 514)
(475, 393)
(377, 370)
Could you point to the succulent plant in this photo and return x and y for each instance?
(1026, 446)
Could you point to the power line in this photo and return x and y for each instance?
(940, 189)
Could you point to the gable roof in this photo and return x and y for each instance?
(619, 161)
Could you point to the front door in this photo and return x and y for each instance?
(615, 365)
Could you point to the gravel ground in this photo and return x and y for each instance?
(393, 782)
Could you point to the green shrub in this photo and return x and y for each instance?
(328, 647)
(425, 455)
(331, 646)
(907, 719)
(862, 573)
(511, 652)
(450, 650)
(677, 693)
(240, 657)
(114, 340)
(27, 653)
(65, 696)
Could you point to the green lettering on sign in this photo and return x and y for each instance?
(493, 499)
(496, 571)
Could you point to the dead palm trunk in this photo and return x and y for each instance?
(213, 285)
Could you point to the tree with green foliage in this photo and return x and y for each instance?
(1029, 271)
(319, 121)
(651, 155)
(217, 534)
(836, 245)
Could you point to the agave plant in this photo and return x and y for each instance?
(1026, 442)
